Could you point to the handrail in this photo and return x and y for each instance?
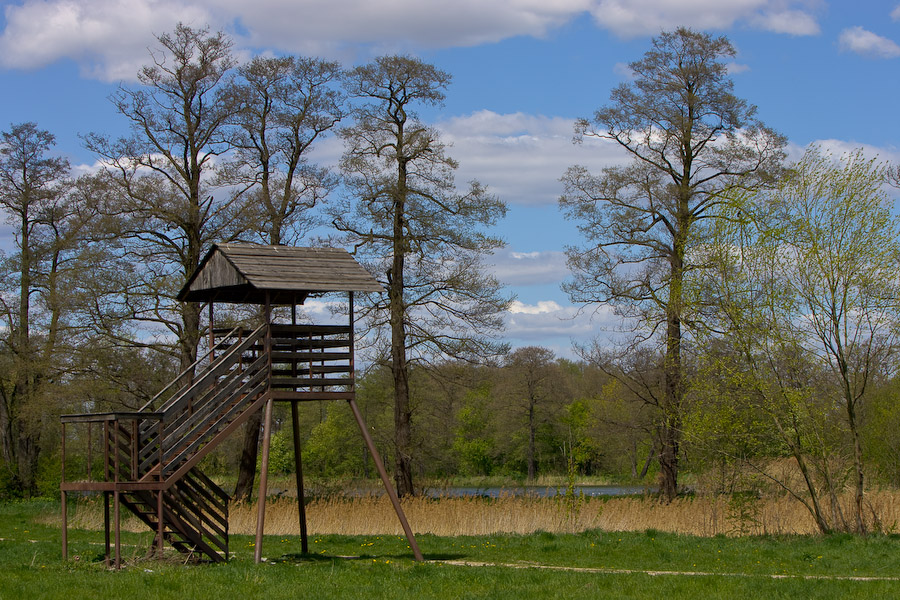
(109, 416)
(189, 369)
(224, 361)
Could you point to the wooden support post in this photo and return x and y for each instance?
(65, 528)
(118, 529)
(116, 516)
(65, 520)
(263, 482)
(90, 458)
(298, 469)
(106, 528)
(212, 335)
(159, 524)
(392, 494)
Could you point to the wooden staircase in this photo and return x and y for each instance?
(150, 456)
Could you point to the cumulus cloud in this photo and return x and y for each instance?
(522, 157)
(548, 319)
(792, 22)
(861, 41)
(531, 268)
(630, 18)
(895, 14)
(109, 38)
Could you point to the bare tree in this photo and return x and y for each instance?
(38, 292)
(416, 231)
(165, 211)
(690, 140)
(282, 107)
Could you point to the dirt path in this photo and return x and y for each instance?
(604, 571)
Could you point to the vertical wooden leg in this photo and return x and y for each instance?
(106, 526)
(298, 469)
(392, 494)
(117, 521)
(65, 528)
(263, 482)
(159, 524)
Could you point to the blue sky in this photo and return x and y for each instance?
(523, 70)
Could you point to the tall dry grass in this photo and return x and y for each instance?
(374, 515)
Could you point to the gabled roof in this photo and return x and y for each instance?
(244, 273)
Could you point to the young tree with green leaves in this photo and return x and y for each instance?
(416, 232)
(691, 142)
(811, 282)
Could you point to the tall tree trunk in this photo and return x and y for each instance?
(532, 467)
(670, 432)
(399, 365)
(400, 371)
(243, 490)
(858, 464)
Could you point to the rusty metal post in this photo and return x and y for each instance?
(392, 494)
(263, 482)
(298, 467)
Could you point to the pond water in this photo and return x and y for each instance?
(537, 491)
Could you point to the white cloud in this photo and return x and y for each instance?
(861, 41)
(792, 22)
(630, 18)
(735, 68)
(548, 319)
(624, 71)
(542, 307)
(109, 38)
(895, 14)
(531, 268)
(522, 157)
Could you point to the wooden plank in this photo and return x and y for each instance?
(311, 381)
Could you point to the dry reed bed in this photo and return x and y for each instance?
(372, 515)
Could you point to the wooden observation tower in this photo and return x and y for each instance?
(147, 461)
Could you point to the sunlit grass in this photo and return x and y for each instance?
(592, 563)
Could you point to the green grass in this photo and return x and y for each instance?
(382, 567)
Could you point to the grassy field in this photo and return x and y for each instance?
(648, 564)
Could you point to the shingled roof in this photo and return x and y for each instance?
(244, 273)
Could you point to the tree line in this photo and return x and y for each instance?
(757, 297)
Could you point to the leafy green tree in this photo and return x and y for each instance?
(332, 449)
(532, 392)
(416, 232)
(691, 141)
(809, 296)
